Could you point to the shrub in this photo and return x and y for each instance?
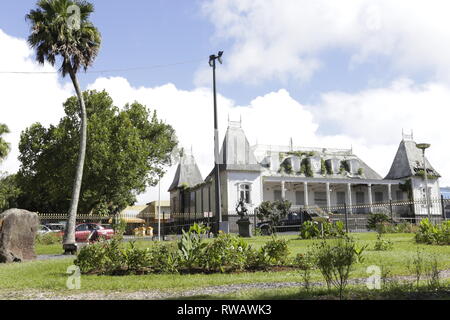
(48, 238)
(335, 261)
(433, 234)
(257, 260)
(225, 253)
(309, 230)
(164, 258)
(190, 246)
(107, 257)
(382, 244)
(433, 273)
(276, 250)
(305, 262)
(375, 219)
(91, 259)
(312, 230)
(417, 266)
(136, 260)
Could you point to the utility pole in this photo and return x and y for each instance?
(159, 209)
(212, 63)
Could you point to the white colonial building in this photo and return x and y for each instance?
(332, 179)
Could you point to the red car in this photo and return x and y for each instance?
(92, 232)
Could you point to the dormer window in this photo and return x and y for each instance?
(244, 190)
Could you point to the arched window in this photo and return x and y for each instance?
(244, 192)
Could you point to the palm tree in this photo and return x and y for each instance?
(4, 146)
(60, 29)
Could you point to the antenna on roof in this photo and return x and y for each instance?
(409, 137)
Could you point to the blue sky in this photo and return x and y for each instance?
(327, 73)
(142, 33)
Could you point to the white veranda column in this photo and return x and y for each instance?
(283, 191)
(305, 187)
(327, 185)
(389, 192)
(369, 190)
(349, 197)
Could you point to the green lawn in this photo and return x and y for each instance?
(51, 275)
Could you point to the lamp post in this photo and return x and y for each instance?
(159, 209)
(423, 147)
(212, 63)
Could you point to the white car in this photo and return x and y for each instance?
(44, 229)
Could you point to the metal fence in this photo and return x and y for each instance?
(354, 217)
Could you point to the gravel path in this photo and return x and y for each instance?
(156, 294)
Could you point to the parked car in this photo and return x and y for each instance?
(56, 227)
(290, 223)
(92, 232)
(44, 229)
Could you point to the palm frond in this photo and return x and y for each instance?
(52, 37)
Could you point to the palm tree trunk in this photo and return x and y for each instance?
(69, 244)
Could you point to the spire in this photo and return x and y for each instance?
(187, 174)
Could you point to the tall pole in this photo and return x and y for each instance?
(426, 186)
(159, 209)
(212, 63)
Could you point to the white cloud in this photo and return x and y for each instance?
(26, 98)
(271, 119)
(279, 39)
(370, 121)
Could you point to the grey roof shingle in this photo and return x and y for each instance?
(187, 173)
(236, 153)
(407, 160)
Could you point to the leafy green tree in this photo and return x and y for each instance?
(273, 212)
(9, 192)
(4, 146)
(61, 29)
(126, 152)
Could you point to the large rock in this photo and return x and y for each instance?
(18, 230)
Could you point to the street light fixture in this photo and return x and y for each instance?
(212, 64)
(423, 147)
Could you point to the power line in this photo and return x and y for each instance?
(110, 70)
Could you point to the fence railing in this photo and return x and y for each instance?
(355, 216)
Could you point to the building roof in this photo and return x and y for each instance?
(187, 174)
(132, 211)
(276, 162)
(162, 203)
(408, 161)
(236, 153)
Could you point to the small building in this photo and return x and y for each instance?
(131, 216)
(150, 213)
